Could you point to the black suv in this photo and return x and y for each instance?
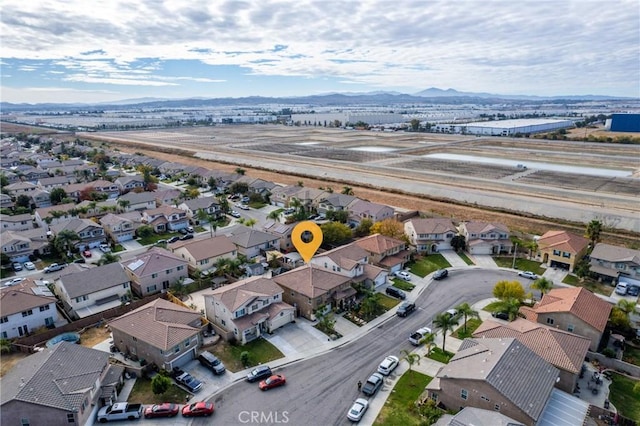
(392, 291)
(212, 362)
(405, 309)
(500, 315)
(186, 237)
(259, 373)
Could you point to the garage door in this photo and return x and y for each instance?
(184, 359)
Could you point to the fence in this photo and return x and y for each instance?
(615, 364)
(609, 417)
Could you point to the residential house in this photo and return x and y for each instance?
(486, 237)
(250, 242)
(262, 188)
(93, 290)
(6, 202)
(566, 351)
(165, 218)
(573, 309)
(160, 332)
(283, 232)
(129, 183)
(471, 416)
(118, 228)
(91, 234)
(65, 384)
(154, 271)
(40, 198)
(32, 174)
(11, 177)
(18, 222)
(20, 245)
(202, 255)
(491, 374)
(223, 179)
(53, 182)
(562, 249)
(430, 235)
(361, 209)
(210, 206)
(352, 261)
(25, 308)
(281, 195)
(55, 214)
(132, 201)
(389, 253)
(335, 202)
(77, 190)
(248, 308)
(614, 263)
(21, 188)
(307, 197)
(169, 197)
(309, 288)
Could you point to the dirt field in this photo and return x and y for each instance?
(9, 360)
(94, 335)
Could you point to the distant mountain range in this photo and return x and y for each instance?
(429, 96)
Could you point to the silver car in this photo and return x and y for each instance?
(358, 409)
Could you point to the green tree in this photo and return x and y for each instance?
(250, 222)
(326, 321)
(582, 269)
(510, 306)
(244, 358)
(445, 323)
(542, 284)
(389, 228)
(626, 306)
(160, 384)
(57, 195)
(334, 233)
(192, 193)
(23, 201)
(466, 311)
(411, 358)
(274, 214)
(145, 231)
(212, 183)
(509, 289)
(370, 307)
(124, 204)
(5, 346)
(415, 124)
(64, 241)
(108, 258)
(4, 180)
(619, 319)
(240, 171)
(429, 341)
(458, 243)
(239, 188)
(594, 228)
(347, 190)
(364, 228)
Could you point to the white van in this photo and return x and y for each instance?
(621, 288)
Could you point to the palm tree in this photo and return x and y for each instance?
(411, 358)
(594, 228)
(108, 258)
(222, 266)
(250, 222)
(213, 226)
(347, 190)
(275, 214)
(467, 312)
(64, 241)
(446, 323)
(626, 306)
(511, 307)
(429, 341)
(542, 284)
(124, 204)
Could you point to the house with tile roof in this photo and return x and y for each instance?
(486, 237)
(386, 252)
(352, 261)
(130, 183)
(21, 188)
(283, 232)
(18, 222)
(53, 182)
(91, 234)
(249, 308)
(20, 245)
(118, 227)
(210, 206)
(203, 254)
(160, 333)
(309, 287)
(334, 202)
(361, 209)
(6, 202)
(155, 270)
(55, 214)
(165, 218)
(430, 235)
(62, 385)
(93, 290)
(281, 195)
(252, 243)
(562, 249)
(614, 263)
(139, 201)
(566, 351)
(169, 197)
(307, 197)
(471, 416)
(490, 373)
(573, 309)
(26, 307)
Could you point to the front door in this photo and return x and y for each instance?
(23, 331)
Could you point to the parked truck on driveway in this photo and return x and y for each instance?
(120, 411)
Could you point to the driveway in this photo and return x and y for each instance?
(131, 245)
(298, 339)
(453, 258)
(484, 261)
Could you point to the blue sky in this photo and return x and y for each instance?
(107, 50)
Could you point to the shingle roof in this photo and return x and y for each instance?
(56, 377)
(562, 240)
(577, 301)
(201, 203)
(207, 247)
(243, 292)
(378, 244)
(615, 253)
(433, 226)
(311, 281)
(563, 349)
(347, 256)
(248, 237)
(14, 300)
(160, 323)
(76, 225)
(474, 227)
(94, 279)
(506, 365)
(138, 197)
(153, 261)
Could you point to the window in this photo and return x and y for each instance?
(556, 252)
(463, 394)
(154, 275)
(434, 396)
(180, 268)
(485, 398)
(550, 321)
(125, 285)
(24, 422)
(176, 349)
(169, 271)
(187, 343)
(496, 407)
(71, 418)
(151, 288)
(5, 335)
(3, 320)
(254, 307)
(44, 308)
(27, 313)
(570, 328)
(567, 255)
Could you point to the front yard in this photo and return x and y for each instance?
(472, 324)
(260, 352)
(590, 284)
(521, 264)
(403, 285)
(424, 265)
(400, 409)
(143, 394)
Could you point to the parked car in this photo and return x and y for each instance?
(234, 214)
(119, 411)
(395, 292)
(187, 380)
(403, 275)
(212, 362)
(452, 312)
(14, 281)
(243, 206)
(173, 239)
(373, 383)
(417, 335)
(528, 274)
(633, 290)
(17, 266)
(105, 248)
(622, 288)
(388, 364)
(190, 229)
(183, 231)
(259, 373)
(500, 315)
(440, 274)
(187, 237)
(29, 266)
(358, 409)
(166, 409)
(272, 382)
(198, 409)
(405, 309)
(54, 267)
(86, 253)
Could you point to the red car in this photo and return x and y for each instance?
(197, 409)
(86, 253)
(165, 409)
(272, 382)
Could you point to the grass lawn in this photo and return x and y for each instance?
(118, 248)
(438, 355)
(466, 259)
(399, 410)
(423, 266)
(590, 284)
(142, 393)
(631, 355)
(623, 397)
(521, 264)
(492, 306)
(403, 285)
(260, 352)
(153, 238)
(472, 324)
(388, 302)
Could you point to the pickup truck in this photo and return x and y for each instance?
(54, 267)
(417, 335)
(187, 380)
(120, 411)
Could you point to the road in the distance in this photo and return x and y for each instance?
(320, 390)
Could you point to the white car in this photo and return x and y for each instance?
(528, 274)
(30, 266)
(105, 248)
(404, 275)
(388, 365)
(14, 282)
(234, 214)
(358, 409)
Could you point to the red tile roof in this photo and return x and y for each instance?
(562, 240)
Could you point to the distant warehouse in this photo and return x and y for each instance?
(329, 118)
(624, 123)
(506, 127)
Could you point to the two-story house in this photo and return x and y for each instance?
(53, 182)
(65, 384)
(93, 290)
(352, 261)
(40, 198)
(91, 234)
(20, 245)
(118, 227)
(250, 242)
(361, 209)
(575, 310)
(389, 253)
(282, 232)
(165, 218)
(26, 307)
(430, 235)
(202, 255)
(129, 183)
(155, 270)
(138, 201)
(18, 222)
(615, 263)
(486, 237)
(562, 249)
(160, 332)
(21, 188)
(335, 202)
(248, 308)
(281, 195)
(55, 214)
(168, 197)
(199, 210)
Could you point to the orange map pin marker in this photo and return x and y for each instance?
(306, 249)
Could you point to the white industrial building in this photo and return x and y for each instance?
(506, 127)
(347, 117)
